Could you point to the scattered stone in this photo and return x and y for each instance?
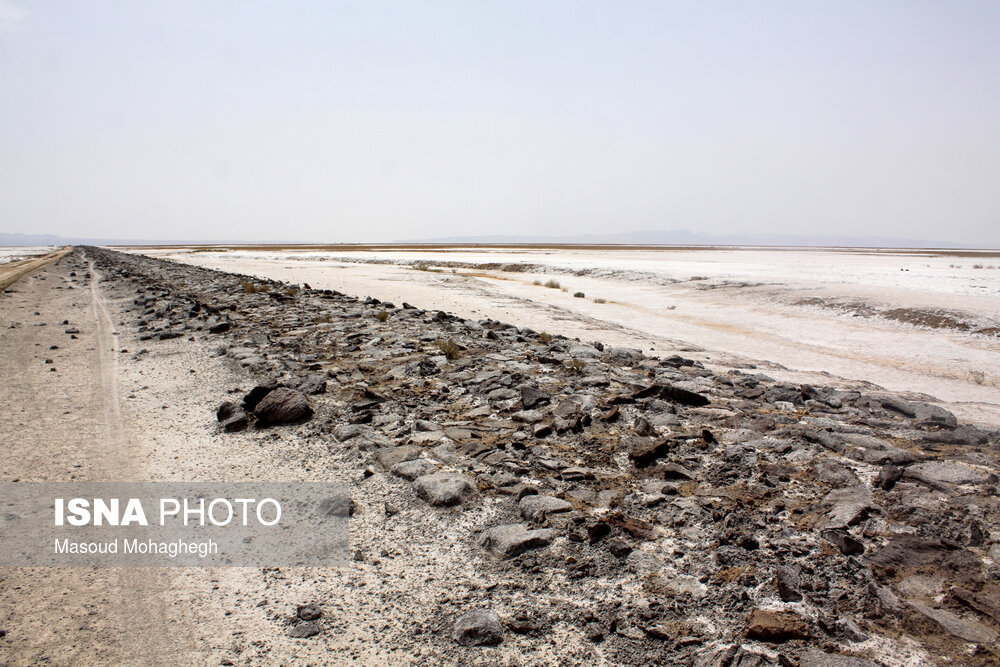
(536, 508)
(304, 630)
(938, 474)
(309, 612)
(970, 631)
(411, 470)
(478, 628)
(816, 658)
(444, 489)
(514, 539)
(776, 626)
(789, 582)
(843, 541)
(282, 406)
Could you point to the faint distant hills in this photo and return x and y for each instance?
(673, 237)
(687, 237)
(51, 239)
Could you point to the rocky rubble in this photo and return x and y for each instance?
(663, 511)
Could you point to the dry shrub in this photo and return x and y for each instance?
(448, 347)
(250, 287)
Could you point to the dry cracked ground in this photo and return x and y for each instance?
(517, 497)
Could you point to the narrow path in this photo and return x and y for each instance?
(65, 422)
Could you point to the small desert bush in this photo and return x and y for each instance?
(552, 284)
(978, 377)
(579, 295)
(291, 290)
(537, 282)
(576, 365)
(250, 287)
(448, 347)
(600, 301)
(323, 317)
(545, 337)
(382, 315)
(424, 266)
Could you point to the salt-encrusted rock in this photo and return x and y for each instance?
(514, 539)
(444, 489)
(953, 624)
(411, 470)
(536, 508)
(942, 473)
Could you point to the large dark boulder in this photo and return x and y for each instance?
(282, 406)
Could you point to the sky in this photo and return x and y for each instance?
(365, 121)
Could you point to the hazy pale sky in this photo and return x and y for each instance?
(376, 120)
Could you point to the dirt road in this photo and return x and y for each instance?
(65, 422)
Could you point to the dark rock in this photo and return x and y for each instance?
(675, 471)
(476, 628)
(618, 547)
(313, 385)
(843, 541)
(390, 456)
(787, 579)
(963, 435)
(986, 602)
(232, 417)
(597, 532)
(309, 612)
(514, 539)
(888, 476)
(304, 630)
(255, 395)
(645, 451)
(444, 489)
(776, 626)
(532, 396)
(282, 406)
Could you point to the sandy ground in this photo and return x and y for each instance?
(728, 307)
(101, 413)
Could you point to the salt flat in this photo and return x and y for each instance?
(15, 253)
(926, 322)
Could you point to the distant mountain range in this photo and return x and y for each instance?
(687, 237)
(673, 237)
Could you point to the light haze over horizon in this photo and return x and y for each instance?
(377, 121)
